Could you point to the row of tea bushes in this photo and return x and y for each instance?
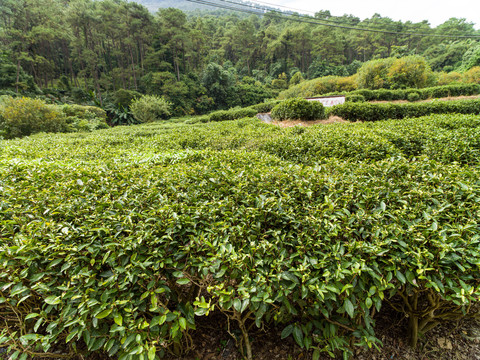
(298, 108)
(123, 258)
(354, 111)
(444, 138)
(423, 94)
(117, 241)
(236, 113)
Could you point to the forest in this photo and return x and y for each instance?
(203, 60)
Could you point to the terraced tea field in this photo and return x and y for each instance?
(120, 242)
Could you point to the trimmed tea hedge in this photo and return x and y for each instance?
(298, 108)
(375, 112)
(425, 93)
(232, 114)
(117, 241)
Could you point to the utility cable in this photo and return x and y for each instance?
(307, 19)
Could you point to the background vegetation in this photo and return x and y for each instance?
(82, 51)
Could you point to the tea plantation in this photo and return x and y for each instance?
(117, 241)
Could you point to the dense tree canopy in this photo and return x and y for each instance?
(198, 60)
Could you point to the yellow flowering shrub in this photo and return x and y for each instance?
(25, 116)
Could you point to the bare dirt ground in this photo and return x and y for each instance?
(450, 341)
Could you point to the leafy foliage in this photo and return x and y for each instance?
(374, 112)
(355, 98)
(425, 93)
(150, 108)
(320, 86)
(86, 118)
(409, 72)
(298, 108)
(124, 97)
(413, 96)
(232, 114)
(24, 116)
(135, 233)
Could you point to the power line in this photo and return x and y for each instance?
(300, 11)
(251, 9)
(283, 7)
(269, 9)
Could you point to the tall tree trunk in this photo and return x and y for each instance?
(175, 63)
(35, 76)
(133, 69)
(97, 85)
(18, 75)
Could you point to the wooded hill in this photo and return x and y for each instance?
(202, 62)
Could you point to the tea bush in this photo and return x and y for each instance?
(116, 242)
(354, 98)
(24, 116)
(131, 276)
(232, 114)
(375, 112)
(298, 108)
(413, 96)
(150, 108)
(86, 118)
(265, 106)
(425, 93)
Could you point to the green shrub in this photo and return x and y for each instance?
(320, 86)
(354, 98)
(8, 93)
(24, 116)
(375, 112)
(232, 114)
(265, 106)
(84, 111)
(413, 96)
(150, 108)
(409, 72)
(369, 95)
(373, 74)
(298, 108)
(250, 94)
(425, 93)
(123, 240)
(124, 97)
(85, 118)
(80, 95)
(123, 259)
(384, 95)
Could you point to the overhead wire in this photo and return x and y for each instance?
(252, 9)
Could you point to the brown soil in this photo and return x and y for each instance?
(441, 99)
(446, 342)
(291, 123)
